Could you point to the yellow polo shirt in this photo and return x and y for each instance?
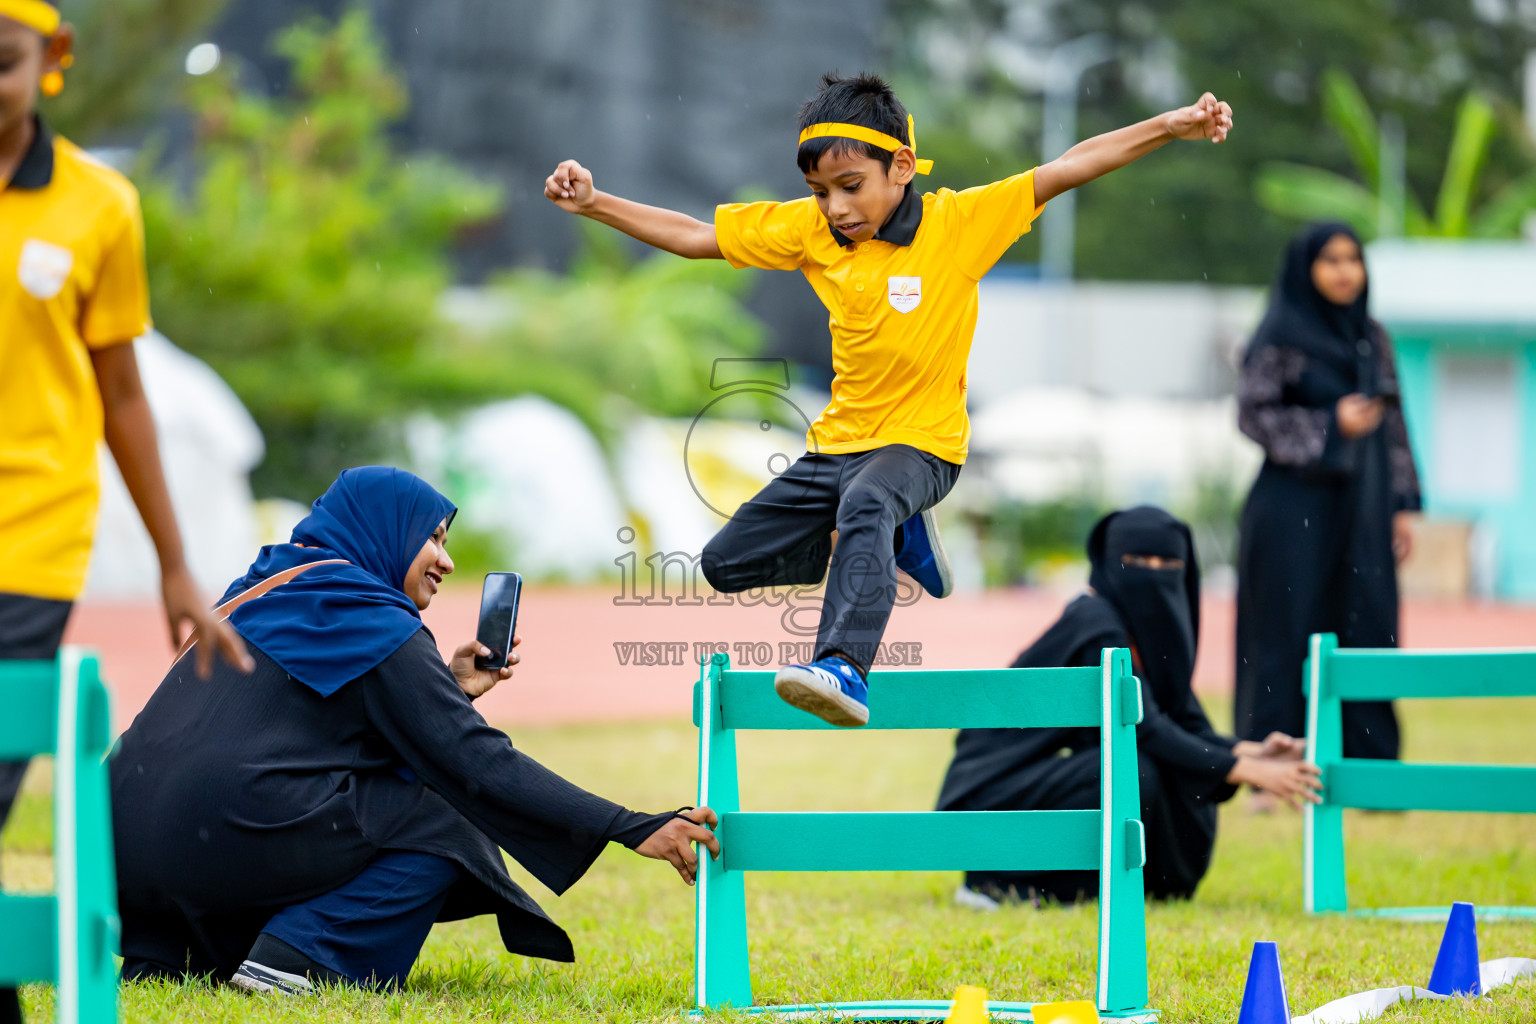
(902, 306)
(72, 280)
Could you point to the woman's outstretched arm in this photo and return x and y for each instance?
(552, 826)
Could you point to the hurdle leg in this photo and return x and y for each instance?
(85, 877)
(100, 928)
(1122, 981)
(722, 975)
(1323, 887)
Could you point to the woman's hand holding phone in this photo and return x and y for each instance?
(1358, 415)
(475, 681)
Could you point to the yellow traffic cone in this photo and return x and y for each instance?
(1078, 1012)
(970, 1006)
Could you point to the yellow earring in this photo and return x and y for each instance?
(52, 83)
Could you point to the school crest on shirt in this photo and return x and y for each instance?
(904, 293)
(44, 268)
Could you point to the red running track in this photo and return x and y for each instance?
(580, 662)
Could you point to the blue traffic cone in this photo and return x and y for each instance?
(1456, 971)
(1264, 999)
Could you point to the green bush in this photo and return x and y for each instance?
(1021, 541)
(643, 332)
(1024, 542)
(307, 259)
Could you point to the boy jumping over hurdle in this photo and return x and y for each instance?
(897, 270)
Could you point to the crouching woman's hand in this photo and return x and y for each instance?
(1295, 782)
(674, 841)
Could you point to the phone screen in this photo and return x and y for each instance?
(498, 617)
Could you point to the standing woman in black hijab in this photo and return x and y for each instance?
(1327, 519)
(1145, 595)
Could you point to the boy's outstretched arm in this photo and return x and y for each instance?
(570, 188)
(1206, 118)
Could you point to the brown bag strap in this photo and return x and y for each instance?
(277, 579)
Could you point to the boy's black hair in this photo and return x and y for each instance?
(862, 99)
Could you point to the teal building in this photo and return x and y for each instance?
(1462, 315)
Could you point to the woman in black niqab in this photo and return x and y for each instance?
(1325, 521)
(1145, 595)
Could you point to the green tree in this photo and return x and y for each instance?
(646, 331)
(1301, 192)
(305, 262)
(130, 55)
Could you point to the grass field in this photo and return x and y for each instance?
(851, 936)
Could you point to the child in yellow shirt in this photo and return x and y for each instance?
(73, 297)
(897, 270)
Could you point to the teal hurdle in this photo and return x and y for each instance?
(1110, 841)
(68, 937)
(1333, 675)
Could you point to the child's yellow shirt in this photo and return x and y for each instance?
(902, 307)
(72, 280)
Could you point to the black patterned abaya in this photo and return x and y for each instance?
(1315, 553)
(1183, 762)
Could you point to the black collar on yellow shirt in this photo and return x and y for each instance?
(902, 226)
(36, 168)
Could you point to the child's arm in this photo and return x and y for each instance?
(1206, 118)
(570, 188)
(130, 434)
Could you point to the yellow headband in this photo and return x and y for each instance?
(833, 129)
(35, 14)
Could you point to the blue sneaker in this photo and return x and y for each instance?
(921, 555)
(830, 688)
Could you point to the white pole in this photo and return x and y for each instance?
(1063, 77)
(1392, 189)
(1530, 93)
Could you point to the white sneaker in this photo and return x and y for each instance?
(830, 688)
(254, 977)
(969, 898)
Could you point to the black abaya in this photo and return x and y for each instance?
(1315, 552)
(235, 797)
(1183, 761)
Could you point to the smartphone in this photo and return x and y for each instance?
(498, 618)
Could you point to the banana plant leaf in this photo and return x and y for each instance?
(1346, 109)
(1309, 193)
(1469, 149)
(1503, 216)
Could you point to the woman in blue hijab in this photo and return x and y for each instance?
(312, 820)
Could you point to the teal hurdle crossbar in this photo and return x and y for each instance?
(1110, 841)
(70, 936)
(1333, 675)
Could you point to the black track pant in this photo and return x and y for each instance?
(783, 537)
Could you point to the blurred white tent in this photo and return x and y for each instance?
(530, 473)
(655, 479)
(1042, 444)
(684, 477)
(208, 445)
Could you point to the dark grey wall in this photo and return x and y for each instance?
(682, 103)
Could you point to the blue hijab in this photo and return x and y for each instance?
(335, 622)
